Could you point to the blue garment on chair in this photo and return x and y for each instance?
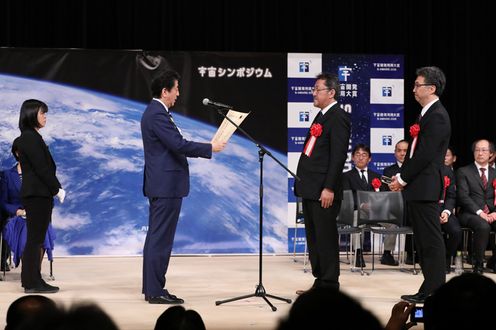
(15, 234)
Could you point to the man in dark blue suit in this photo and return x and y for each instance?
(166, 182)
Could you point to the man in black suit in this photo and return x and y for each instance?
(475, 191)
(320, 169)
(420, 176)
(360, 178)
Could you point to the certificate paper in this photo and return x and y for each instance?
(226, 129)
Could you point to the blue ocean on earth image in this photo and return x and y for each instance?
(95, 140)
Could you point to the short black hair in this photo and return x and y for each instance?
(164, 79)
(400, 141)
(177, 317)
(28, 118)
(453, 150)
(28, 307)
(331, 81)
(435, 76)
(491, 144)
(362, 146)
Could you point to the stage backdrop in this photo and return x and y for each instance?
(95, 101)
(372, 88)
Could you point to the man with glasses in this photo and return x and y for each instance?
(475, 193)
(320, 170)
(421, 178)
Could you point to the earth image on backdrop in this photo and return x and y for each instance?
(95, 140)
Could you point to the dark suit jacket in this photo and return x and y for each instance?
(166, 173)
(422, 171)
(38, 168)
(470, 192)
(353, 181)
(392, 170)
(324, 168)
(450, 195)
(10, 193)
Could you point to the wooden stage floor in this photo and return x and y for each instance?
(114, 283)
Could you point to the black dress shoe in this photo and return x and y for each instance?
(478, 268)
(167, 299)
(388, 259)
(417, 298)
(491, 264)
(43, 288)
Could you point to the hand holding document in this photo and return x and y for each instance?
(226, 128)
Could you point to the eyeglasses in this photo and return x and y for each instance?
(315, 89)
(416, 85)
(484, 150)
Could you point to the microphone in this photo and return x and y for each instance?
(215, 104)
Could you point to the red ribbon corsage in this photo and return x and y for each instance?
(315, 132)
(494, 187)
(376, 183)
(414, 130)
(447, 183)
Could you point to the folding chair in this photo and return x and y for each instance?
(375, 208)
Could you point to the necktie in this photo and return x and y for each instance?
(484, 184)
(318, 118)
(364, 178)
(483, 177)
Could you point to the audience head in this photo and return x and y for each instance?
(450, 157)
(400, 150)
(26, 308)
(79, 317)
(323, 308)
(464, 302)
(30, 112)
(361, 156)
(178, 318)
(482, 149)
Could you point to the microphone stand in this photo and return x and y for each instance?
(260, 290)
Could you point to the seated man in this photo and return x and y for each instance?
(360, 178)
(449, 222)
(475, 194)
(400, 150)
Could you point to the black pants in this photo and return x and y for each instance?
(38, 216)
(429, 242)
(322, 240)
(454, 235)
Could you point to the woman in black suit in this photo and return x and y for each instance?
(39, 186)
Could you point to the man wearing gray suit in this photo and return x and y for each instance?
(475, 193)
